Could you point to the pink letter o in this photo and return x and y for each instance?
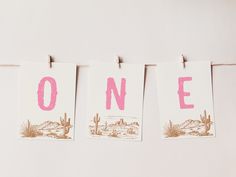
(41, 93)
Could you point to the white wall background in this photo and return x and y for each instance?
(142, 31)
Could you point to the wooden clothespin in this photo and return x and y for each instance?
(118, 61)
(50, 60)
(183, 61)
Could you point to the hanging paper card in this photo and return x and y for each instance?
(47, 100)
(185, 99)
(116, 101)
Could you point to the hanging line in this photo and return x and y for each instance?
(118, 60)
(146, 65)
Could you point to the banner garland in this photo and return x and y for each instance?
(47, 99)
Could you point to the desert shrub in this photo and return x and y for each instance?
(172, 130)
(114, 133)
(28, 130)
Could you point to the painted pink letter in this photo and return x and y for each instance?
(182, 93)
(41, 93)
(120, 98)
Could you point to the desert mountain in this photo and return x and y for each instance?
(48, 125)
(190, 124)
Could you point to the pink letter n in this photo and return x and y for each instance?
(182, 93)
(120, 98)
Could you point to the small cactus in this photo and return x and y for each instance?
(105, 126)
(96, 120)
(131, 131)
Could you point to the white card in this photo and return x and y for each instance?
(185, 100)
(116, 101)
(47, 100)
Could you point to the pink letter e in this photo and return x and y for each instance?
(182, 93)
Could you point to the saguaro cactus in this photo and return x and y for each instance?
(206, 120)
(66, 125)
(96, 120)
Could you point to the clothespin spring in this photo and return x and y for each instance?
(50, 60)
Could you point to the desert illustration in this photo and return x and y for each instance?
(124, 128)
(51, 129)
(200, 127)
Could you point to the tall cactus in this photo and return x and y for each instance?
(66, 125)
(96, 120)
(206, 120)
